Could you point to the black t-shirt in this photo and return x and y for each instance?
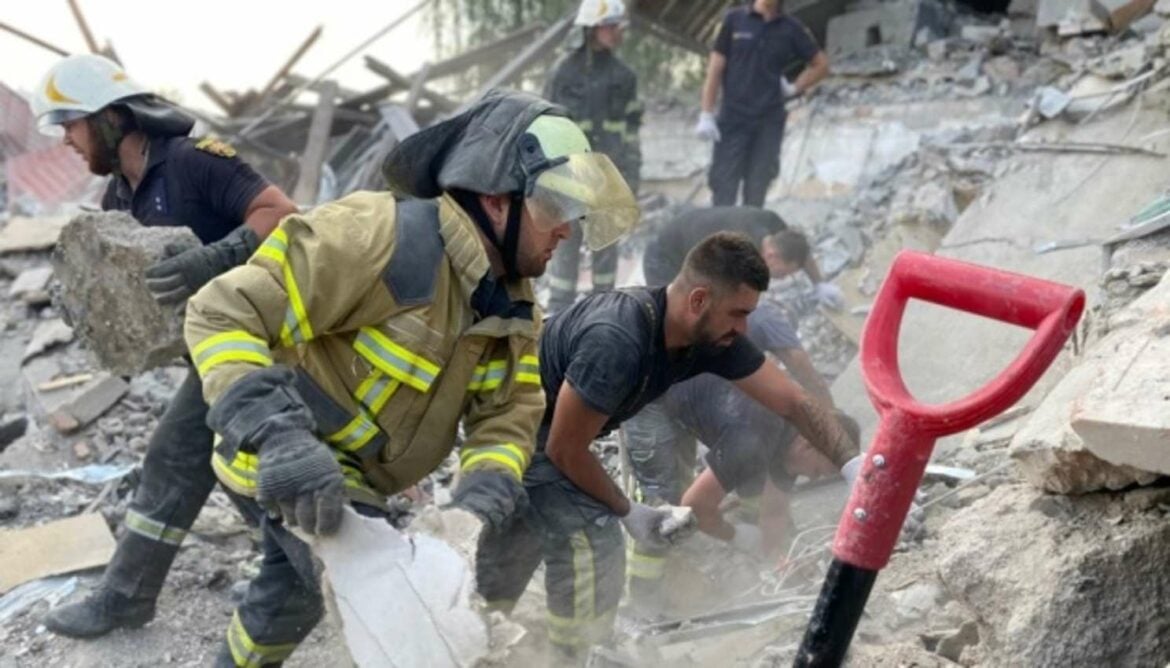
(611, 349)
(745, 440)
(758, 53)
(207, 189)
(666, 251)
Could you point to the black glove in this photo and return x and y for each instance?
(299, 479)
(495, 497)
(186, 269)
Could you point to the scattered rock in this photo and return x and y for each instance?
(82, 450)
(31, 286)
(100, 262)
(89, 405)
(48, 333)
(1062, 587)
(12, 427)
(30, 234)
(951, 645)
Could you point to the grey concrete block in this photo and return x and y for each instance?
(100, 260)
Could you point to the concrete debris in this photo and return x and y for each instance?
(951, 645)
(100, 263)
(23, 234)
(49, 333)
(12, 427)
(31, 286)
(88, 404)
(1122, 416)
(900, 23)
(1099, 601)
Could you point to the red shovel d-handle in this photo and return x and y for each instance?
(897, 457)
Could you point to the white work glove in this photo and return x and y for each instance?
(707, 129)
(830, 296)
(851, 469)
(789, 89)
(747, 539)
(644, 525)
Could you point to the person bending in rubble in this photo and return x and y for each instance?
(602, 360)
(601, 93)
(785, 250)
(341, 359)
(162, 177)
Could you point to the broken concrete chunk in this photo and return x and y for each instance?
(1053, 583)
(100, 262)
(32, 285)
(48, 334)
(30, 234)
(98, 399)
(1123, 415)
(12, 427)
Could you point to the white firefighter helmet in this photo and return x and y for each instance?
(78, 86)
(600, 13)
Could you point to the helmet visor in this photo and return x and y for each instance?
(50, 122)
(587, 188)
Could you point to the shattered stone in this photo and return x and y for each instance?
(100, 262)
(48, 334)
(951, 645)
(30, 234)
(12, 427)
(31, 286)
(93, 402)
(1100, 599)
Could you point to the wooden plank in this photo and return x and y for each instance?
(526, 58)
(32, 39)
(215, 96)
(85, 31)
(64, 546)
(416, 87)
(318, 142)
(289, 64)
(487, 53)
(391, 75)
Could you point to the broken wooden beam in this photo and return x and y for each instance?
(438, 100)
(217, 97)
(416, 88)
(289, 64)
(33, 39)
(487, 53)
(511, 71)
(316, 146)
(85, 31)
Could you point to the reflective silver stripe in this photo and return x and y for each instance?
(153, 529)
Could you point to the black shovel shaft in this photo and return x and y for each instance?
(839, 607)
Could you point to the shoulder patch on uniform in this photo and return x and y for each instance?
(414, 264)
(216, 146)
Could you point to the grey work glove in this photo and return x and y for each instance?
(493, 496)
(299, 479)
(644, 525)
(184, 270)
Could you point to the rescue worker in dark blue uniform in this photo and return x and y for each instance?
(163, 178)
(761, 59)
(601, 93)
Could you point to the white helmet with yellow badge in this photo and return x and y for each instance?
(595, 13)
(78, 86)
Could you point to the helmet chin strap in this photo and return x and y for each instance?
(510, 244)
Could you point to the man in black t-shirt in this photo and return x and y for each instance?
(601, 361)
(761, 59)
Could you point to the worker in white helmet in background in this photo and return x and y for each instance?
(601, 93)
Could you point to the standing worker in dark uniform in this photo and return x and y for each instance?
(758, 49)
(601, 93)
(163, 178)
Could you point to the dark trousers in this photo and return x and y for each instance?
(284, 600)
(747, 153)
(582, 546)
(176, 480)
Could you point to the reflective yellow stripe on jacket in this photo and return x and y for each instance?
(227, 347)
(509, 455)
(296, 327)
